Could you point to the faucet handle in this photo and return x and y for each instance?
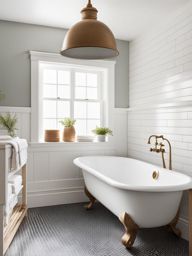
(162, 147)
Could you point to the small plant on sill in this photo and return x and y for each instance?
(69, 130)
(68, 122)
(101, 133)
(9, 122)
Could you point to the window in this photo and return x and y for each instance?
(63, 87)
(71, 92)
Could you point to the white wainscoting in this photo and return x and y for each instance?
(52, 177)
(161, 75)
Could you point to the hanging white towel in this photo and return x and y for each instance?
(19, 152)
(15, 153)
(22, 150)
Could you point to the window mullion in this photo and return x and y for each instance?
(86, 107)
(72, 100)
(100, 97)
(57, 100)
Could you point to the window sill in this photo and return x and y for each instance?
(67, 143)
(70, 145)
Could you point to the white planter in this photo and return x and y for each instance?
(101, 138)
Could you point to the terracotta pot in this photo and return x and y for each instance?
(52, 135)
(69, 134)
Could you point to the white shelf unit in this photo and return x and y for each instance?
(8, 231)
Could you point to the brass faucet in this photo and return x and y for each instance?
(159, 148)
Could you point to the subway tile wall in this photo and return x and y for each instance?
(161, 73)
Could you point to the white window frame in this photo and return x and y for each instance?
(106, 67)
(72, 86)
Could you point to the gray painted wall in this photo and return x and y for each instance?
(16, 39)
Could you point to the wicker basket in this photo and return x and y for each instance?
(52, 135)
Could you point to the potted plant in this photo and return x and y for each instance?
(69, 130)
(9, 122)
(101, 133)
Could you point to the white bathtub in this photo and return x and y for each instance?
(126, 185)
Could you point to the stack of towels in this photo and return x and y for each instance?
(14, 188)
(18, 159)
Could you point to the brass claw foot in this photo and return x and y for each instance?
(131, 229)
(172, 226)
(91, 198)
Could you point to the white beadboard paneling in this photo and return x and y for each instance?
(54, 179)
(161, 73)
(61, 166)
(30, 167)
(41, 165)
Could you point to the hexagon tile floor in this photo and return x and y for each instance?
(70, 230)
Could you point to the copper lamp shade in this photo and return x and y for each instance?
(89, 38)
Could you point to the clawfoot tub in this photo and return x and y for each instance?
(141, 195)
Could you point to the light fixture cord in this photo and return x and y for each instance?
(89, 3)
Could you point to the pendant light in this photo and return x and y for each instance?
(89, 38)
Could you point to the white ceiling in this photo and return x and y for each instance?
(126, 18)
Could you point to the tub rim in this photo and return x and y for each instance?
(144, 188)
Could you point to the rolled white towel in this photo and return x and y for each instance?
(15, 179)
(16, 189)
(16, 182)
(7, 210)
(9, 189)
(13, 200)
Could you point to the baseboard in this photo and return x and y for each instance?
(183, 225)
(48, 198)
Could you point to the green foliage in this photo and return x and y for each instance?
(102, 131)
(9, 122)
(68, 122)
